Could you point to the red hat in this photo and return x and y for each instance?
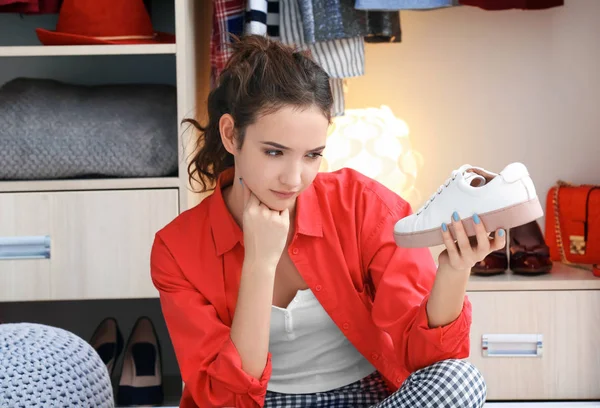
(85, 22)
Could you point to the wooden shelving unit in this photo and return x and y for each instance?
(86, 50)
(561, 277)
(111, 204)
(89, 184)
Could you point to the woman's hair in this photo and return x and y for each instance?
(261, 77)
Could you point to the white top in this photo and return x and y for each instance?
(309, 352)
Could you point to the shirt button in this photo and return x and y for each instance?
(346, 326)
(398, 380)
(375, 356)
(295, 251)
(318, 288)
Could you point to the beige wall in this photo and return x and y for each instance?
(488, 88)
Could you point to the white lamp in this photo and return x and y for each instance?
(374, 142)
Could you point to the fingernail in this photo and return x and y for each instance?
(444, 227)
(476, 219)
(455, 216)
(501, 232)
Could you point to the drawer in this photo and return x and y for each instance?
(99, 243)
(566, 365)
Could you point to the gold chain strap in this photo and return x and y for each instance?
(557, 229)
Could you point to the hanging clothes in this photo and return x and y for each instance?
(24, 4)
(513, 4)
(396, 5)
(325, 20)
(262, 18)
(273, 16)
(228, 17)
(343, 58)
(339, 100)
(30, 6)
(384, 27)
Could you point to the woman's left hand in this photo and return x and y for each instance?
(462, 253)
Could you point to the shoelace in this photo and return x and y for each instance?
(439, 191)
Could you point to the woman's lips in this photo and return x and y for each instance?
(283, 194)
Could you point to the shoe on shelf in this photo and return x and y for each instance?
(529, 254)
(501, 200)
(107, 340)
(495, 263)
(141, 375)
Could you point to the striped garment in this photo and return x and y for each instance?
(262, 18)
(343, 58)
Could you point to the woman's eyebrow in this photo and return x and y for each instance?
(282, 147)
(276, 145)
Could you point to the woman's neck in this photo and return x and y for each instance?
(234, 201)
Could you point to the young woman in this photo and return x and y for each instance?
(285, 288)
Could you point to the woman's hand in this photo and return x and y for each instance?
(463, 253)
(265, 230)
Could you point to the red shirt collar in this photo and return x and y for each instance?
(226, 231)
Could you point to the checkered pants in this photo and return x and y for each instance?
(447, 384)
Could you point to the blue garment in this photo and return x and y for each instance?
(325, 20)
(396, 5)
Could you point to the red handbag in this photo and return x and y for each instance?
(573, 224)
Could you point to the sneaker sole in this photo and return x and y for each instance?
(506, 218)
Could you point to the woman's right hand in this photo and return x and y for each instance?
(265, 230)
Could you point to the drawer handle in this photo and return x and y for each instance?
(33, 247)
(512, 345)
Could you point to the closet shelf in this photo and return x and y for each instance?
(73, 50)
(89, 184)
(562, 277)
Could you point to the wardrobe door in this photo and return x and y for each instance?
(98, 243)
(24, 247)
(537, 345)
(103, 241)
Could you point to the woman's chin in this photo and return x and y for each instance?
(279, 205)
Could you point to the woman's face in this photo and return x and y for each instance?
(281, 154)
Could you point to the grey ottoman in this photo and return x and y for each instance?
(44, 366)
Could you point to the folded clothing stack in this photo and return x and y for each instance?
(54, 130)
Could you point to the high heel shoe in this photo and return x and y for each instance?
(141, 376)
(107, 340)
(529, 254)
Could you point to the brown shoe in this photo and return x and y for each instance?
(494, 264)
(529, 254)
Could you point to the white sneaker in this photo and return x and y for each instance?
(503, 200)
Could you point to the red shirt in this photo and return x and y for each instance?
(343, 246)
